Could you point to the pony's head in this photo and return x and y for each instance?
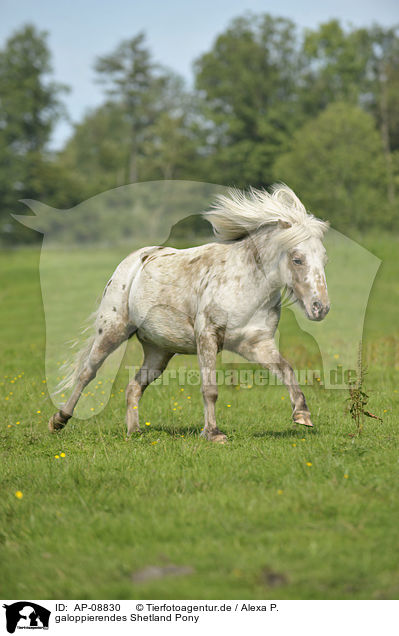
(295, 234)
(303, 256)
(302, 271)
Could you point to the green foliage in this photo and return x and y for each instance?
(358, 398)
(96, 153)
(29, 102)
(319, 110)
(153, 108)
(248, 84)
(336, 162)
(335, 66)
(30, 106)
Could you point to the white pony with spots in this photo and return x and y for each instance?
(225, 294)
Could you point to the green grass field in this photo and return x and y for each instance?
(277, 513)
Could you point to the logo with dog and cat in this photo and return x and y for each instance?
(26, 615)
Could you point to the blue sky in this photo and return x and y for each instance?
(177, 32)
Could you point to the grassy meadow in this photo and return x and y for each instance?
(278, 512)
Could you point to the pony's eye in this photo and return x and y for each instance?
(297, 261)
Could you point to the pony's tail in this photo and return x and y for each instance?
(73, 367)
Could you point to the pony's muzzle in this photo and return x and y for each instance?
(319, 311)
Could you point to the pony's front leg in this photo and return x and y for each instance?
(207, 349)
(264, 352)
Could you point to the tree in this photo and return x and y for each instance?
(170, 150)
(141, 88)
(359, 66)
(96, 154)
(112, 146)
(336, 164)
(248, 82)
(29, 108)
(335, 66)
(384, 96)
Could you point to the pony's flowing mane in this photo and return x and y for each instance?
(240, 213)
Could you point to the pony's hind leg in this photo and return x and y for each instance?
(207, 349)
(155, 362)
(112, 327)
(104, 343)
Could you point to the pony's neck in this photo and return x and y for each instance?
(263, 255)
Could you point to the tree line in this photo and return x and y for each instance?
(317, 109)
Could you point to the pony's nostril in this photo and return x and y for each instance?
(317, 307)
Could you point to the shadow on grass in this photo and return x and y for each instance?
(173, 431)
(298, 433)
(195, 431)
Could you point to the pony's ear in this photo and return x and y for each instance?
(284, 225)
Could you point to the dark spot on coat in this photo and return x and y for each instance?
(123, 286)
(113, 308)
(144, 257)
(100, 331)
(193, 260)
(257, 257)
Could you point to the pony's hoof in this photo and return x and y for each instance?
(214, 436)
(303, 418)
(219, 439)
(56, 422)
